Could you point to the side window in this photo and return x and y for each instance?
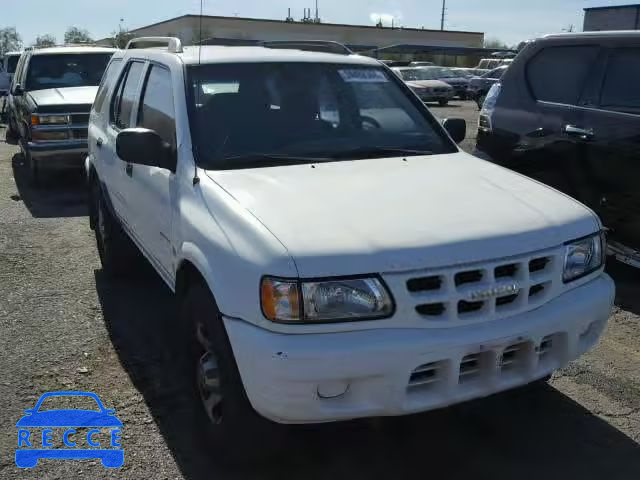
(620, 90)
(125, 97)
(559, 74)
(157, 110)
(107, 80)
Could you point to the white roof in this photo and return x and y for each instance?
(208, 54)
(224, 54)
(72, 49)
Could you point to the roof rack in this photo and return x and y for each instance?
(309, 45)
(173, 44)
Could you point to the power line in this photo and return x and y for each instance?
(444, 12)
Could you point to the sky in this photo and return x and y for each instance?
(508, 20)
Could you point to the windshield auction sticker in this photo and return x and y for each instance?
(82, 429)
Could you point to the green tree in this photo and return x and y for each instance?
(120, 38)
(46, 40)
(10, 40)
(77, 35)
(495, 43)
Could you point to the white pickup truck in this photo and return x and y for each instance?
(335, 254)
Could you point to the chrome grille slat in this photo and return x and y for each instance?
(536, 278)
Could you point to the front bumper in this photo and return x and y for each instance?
(288, 378)
(68, 154)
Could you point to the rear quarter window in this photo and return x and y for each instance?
(620, 90)
(108, 79)
(559, 74)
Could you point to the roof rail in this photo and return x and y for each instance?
(309, 45)
(173, 44)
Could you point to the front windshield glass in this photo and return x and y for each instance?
(66, 70)
(413, 74)
(12, 62)
(263, 114)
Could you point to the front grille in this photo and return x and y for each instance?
(479, 292)
(80, 134)
(80, 118)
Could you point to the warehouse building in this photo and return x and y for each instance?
(620, 17)
(187, 28)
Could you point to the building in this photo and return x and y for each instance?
(621, 17)
(359, 37)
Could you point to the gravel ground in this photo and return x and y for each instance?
(63, 325)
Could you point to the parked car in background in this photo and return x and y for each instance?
(567, 112)
(7, 69)
(334, 254)
(49, 102)
(491, 63)
(429, 90)
(460, 85)
(479, 86)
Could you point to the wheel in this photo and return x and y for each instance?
(34, 172)
(443, 103)
(226, 418)
(117, 251)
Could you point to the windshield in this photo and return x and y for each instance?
(262, 114)
(66, 70)
(12, 62)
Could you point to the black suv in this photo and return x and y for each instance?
(567, 112)
(49, 103)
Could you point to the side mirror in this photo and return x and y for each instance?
(456, 127)
(18, 91)
(142, 146)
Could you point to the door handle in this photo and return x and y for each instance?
(99, 142)
(583, 133)
(129, 169)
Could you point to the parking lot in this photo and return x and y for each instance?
(64, 326)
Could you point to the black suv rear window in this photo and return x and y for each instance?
(559, 74)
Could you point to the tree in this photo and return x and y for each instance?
(10, 40)
(120, 38)
(77, 35)
(495, 43)
(46, 40)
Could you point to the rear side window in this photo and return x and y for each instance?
(620, 90)
(108, 79)
(157, 112)
(559, 74)
(125, 97)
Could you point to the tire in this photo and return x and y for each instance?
(117, 252)
(443, 103)
(224, 415)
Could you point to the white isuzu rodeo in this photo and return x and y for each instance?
(335, 254)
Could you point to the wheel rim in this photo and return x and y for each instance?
(208, 377)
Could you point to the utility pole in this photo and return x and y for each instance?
(444, 10)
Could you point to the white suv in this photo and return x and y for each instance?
(335, 253)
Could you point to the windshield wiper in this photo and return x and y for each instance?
(378, 152)
(269, 159)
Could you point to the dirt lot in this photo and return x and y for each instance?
(64, 326)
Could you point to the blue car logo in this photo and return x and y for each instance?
(31, 448)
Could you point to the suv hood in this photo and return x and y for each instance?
(388, 214)
(64, 96)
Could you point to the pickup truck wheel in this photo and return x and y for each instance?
(226, 418)
(443, 103)
(114, 246)
(11, 134)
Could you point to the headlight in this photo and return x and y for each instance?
(583, 257)
(50, 119)
(332, 300)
